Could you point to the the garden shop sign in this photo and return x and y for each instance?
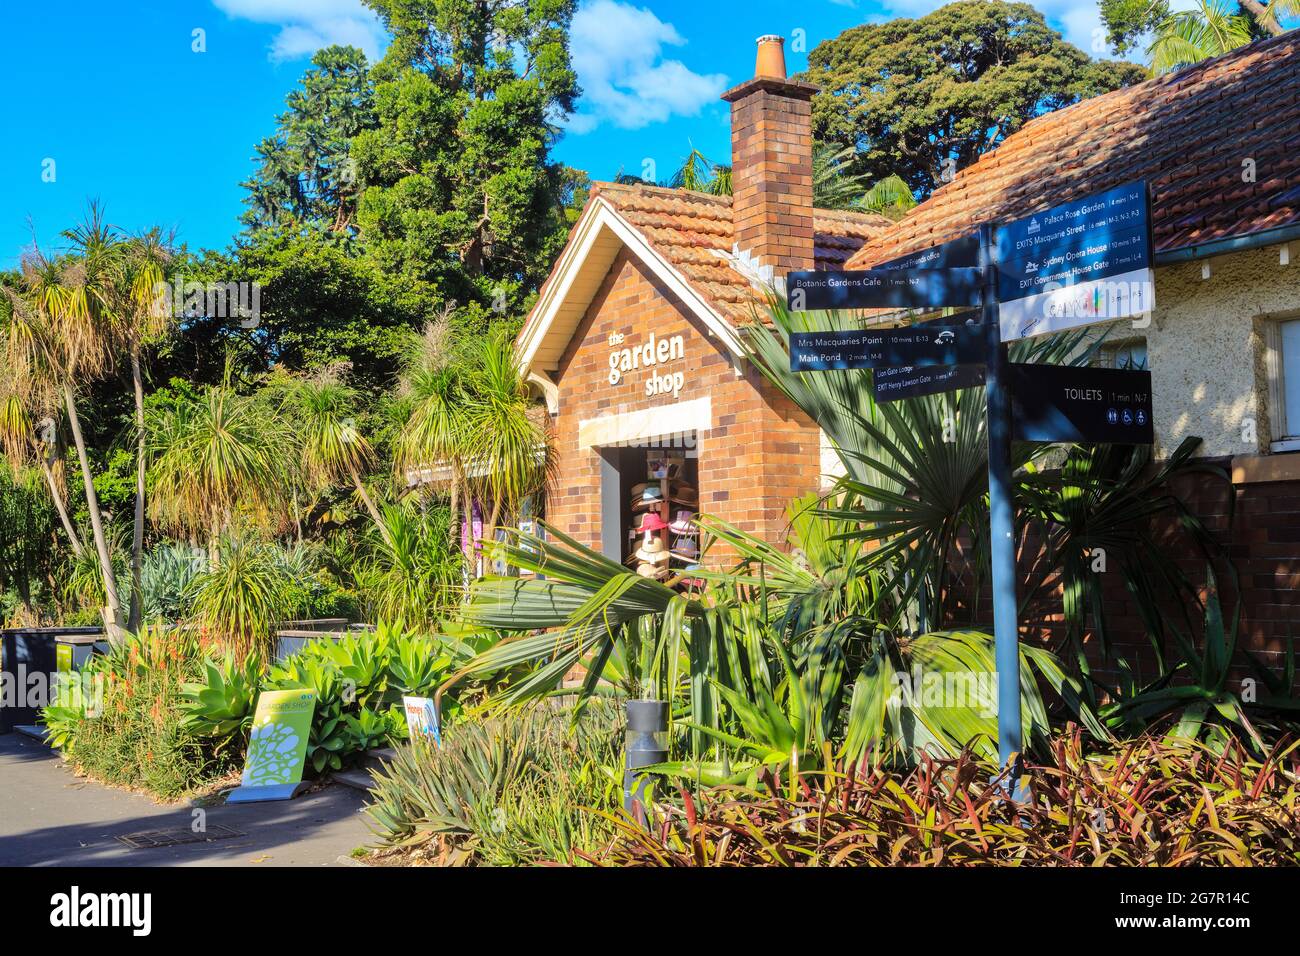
(648, 354)
(277, 746)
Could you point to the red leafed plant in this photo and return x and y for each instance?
(1149, 802)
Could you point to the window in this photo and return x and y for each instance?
(1284, 369)
(1128, 354)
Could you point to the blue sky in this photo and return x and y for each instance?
(119, 106)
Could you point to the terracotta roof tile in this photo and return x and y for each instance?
(693, 231)
(1186, 133)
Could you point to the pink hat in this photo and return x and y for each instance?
(652, 521)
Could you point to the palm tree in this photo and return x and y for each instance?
(23, 444)
(145, 318)
(510, 447)
(1190, 36)
(468, 425)
(332, 449)
(698, 174)
(75, 317)
(436, 431)
(891, 197)
(68, 342)
(835, 185)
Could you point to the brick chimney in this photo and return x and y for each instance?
(771, 160)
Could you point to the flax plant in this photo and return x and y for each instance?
(214, 456)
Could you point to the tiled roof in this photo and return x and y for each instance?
(1187, 133)
(693, 232)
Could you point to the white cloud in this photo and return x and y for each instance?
(308, 25)
(1076, 19)
(618, 53)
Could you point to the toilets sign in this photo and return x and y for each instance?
(648, 354)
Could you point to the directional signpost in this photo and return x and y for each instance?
(913, 381)
(883, 288)
(1073, 265)
(961, 253)
(1063, 403)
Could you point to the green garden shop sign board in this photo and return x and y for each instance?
(277, 746)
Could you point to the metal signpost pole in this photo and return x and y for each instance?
(1002, 520)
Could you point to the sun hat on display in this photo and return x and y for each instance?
(653, 551)
(684, 495)
(684, 522)
(685, 549)
(652, 521)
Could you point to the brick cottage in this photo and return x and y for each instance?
(635, 342)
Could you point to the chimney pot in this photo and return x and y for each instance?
(771, 57)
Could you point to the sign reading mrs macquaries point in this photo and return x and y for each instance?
(878, 348)
(892, 288)
(1063, 403)
(1076, 264)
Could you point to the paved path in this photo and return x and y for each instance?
(49, 817)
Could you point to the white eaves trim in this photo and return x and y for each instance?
(599, 218)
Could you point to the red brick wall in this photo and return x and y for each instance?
(760, 453)
(1259, 526)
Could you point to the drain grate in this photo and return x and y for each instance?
(153, 839)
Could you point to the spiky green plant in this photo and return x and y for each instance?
(331, 446)
(214, 456)
(238, 600)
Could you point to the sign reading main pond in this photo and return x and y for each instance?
(277, 746)
(884, 288)
(877, 348)
(1076, 264)
(1054, 403)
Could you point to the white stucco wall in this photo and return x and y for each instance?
(1205, 349)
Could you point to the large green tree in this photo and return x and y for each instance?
(305, 174)
(923, 98)
(459, 191)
